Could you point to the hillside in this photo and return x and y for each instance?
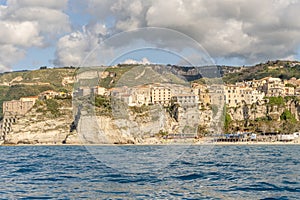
(276, 69)
(14, 85)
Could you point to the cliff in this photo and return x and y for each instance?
(266, 116)
(44, 124)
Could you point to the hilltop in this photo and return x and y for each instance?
(276, 69)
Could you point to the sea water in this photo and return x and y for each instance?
(221, 172)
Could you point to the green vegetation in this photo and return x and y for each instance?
(262, 119)
(276, 69)
(52, 76)
(53, 107)
(102, 101)
(161, 133)
(15, 92)
(103, 105)
(115, 74)
(291, 98)
(288, 116)
(279, 101)
(227, 121)
(32, 83)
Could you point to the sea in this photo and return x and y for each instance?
(150, 172)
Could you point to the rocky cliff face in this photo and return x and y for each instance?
(138, 127)
(38, 127)
(126, 126)
(265, 114)
(263, 109)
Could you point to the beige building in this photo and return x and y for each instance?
(293, 81)
(289, 91)
(233, 95)
(101, 91)
(19, 107)
(236, 95)
(274, 87)
(257, 84)
(160, 95)
(142, 95)
(202, 92)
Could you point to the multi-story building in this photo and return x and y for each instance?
(273, 87)
(160, 95)
(185, 100)
(289, 91)
(233, 95)
(236, 95)
(19, 107)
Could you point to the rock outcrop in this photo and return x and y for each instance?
(38, 128)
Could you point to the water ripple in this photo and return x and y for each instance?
(223, 172)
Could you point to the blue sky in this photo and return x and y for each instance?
(36, 33)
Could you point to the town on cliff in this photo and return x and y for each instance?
(154, 107)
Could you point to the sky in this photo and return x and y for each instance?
(35, 33)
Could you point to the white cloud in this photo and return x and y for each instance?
(73, 48)
(9, 54)
(29, 23)
(252, 31)
(24, 34)
(144, 61)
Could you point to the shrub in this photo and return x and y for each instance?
(287, 116)
(53, 107)
(279, 101)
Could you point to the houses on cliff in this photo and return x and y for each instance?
(189, 100)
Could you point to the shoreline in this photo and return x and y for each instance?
(198, 143)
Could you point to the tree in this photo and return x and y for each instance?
(227, 122)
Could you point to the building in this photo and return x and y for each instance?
(185, 100)
(160, 95)
(83, 91)
(142, 95)
(203, 94)
(274, 87)
(257, 84)
(233, 96)
(250, 95)
(49, 94)
(101, 91)
(289, 91)
(217, 94)
(19, 107)
(236, 95)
